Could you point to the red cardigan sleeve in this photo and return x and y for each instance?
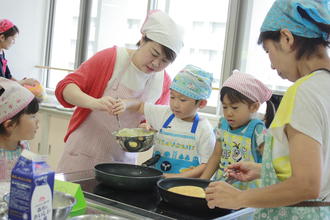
(91, 77)
(165, 96)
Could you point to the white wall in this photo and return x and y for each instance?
(30, 16)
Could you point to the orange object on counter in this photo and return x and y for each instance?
(37, 90)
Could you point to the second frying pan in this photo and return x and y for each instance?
(186, 202)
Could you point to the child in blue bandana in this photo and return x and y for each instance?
(185, 140)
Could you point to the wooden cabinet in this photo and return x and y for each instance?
(49, 139)
(57, 129)
(36, 142)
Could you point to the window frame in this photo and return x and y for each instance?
(236, 38)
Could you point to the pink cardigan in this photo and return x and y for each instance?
(92, 77)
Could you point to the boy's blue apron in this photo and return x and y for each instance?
(268, 172)
(177, 148)
(237, 146)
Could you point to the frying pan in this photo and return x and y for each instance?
(129, 176)
(186, 202)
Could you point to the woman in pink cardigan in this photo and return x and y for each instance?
(110, 74)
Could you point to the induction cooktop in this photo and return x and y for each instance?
(145, 202)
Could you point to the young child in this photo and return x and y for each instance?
(17, 122)
(185, 141)
(240, 136)
(8, 35)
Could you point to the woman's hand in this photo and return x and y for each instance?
(105, 103)
(222, 194)
(244, 171)
(119, 107)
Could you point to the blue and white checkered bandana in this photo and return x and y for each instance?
(193, 82)
(284, 15)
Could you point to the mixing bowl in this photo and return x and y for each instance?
(62, 204)
(135, 139)
(3, 210)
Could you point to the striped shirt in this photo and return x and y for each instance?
(8, 159)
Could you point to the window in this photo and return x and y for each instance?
(116, 22)
(254, 60)
(219, 36)
(111, 22)
(204, 36)
(63, 40)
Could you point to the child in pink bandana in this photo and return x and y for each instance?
(17, 122)
(240, 136)
(8, 35)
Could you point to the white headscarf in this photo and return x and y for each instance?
(160, 28)
(14, 98)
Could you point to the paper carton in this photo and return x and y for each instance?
(31, 188)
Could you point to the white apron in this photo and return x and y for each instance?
(92, 142)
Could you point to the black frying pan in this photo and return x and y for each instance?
(128, 176)
(186, 202)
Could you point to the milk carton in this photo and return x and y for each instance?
(31, 188)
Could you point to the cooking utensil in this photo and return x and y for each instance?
(99, 217)
(228, 179)
(117, 117)
(151, 161)
(62, 204)
(186, 202)
(138, 143)
(127, 176)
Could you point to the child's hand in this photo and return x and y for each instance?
(244, 171)
(170, 175)
(146, 126)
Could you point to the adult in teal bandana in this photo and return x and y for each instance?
(290, 14)
(295, 177)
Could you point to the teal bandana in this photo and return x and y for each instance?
(193, 82)
(284, 14)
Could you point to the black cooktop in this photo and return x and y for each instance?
(149, 201)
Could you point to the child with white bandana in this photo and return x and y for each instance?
(113, 73)
(18, 123)
(240, 135)
(185, 140)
